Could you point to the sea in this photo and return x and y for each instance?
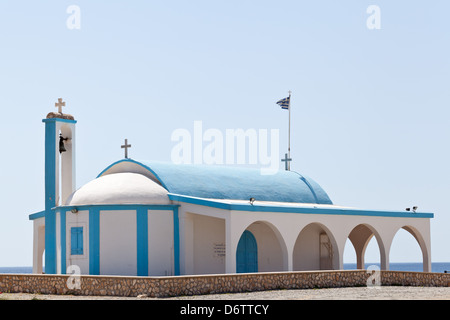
(439, 267)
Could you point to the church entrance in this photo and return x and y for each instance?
(247, 253)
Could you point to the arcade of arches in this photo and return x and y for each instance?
(274, 241)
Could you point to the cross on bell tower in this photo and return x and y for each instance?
(60, 104)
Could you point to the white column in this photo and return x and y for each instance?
(232, 236)
(426, 248)
(384, 261)
(384, 243)
(186, 243)
(230, 256)
(290, 259)
(38, 244)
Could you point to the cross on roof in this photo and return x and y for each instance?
(286, 160)
(126, 146)
(60, 104)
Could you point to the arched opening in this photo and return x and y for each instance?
(315, 249)
(64, 186)
(269, 249)
(364, 241)
(349, 258)
(407, 253)
(372, 254)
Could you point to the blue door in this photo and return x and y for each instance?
(247, 253)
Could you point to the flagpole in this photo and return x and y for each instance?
(289, 133)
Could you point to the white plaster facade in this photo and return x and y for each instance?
(286, 241)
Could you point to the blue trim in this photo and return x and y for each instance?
(50, 196)
(176, 241)
(142, 241)
(309, 186)
(62, 219)
(37, 215)
(107, 207)
(58, 119)
(94, 241)
(50, 242)
(290, 209)
(200, 201)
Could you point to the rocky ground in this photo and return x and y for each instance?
(357, 293)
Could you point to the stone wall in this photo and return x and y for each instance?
(206, 284)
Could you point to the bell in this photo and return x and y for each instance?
(61, 147)
(61, 144)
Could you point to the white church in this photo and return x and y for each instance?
(148, 218)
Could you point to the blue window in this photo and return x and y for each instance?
(76, 240)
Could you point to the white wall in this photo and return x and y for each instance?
(118, 249)
(203, 239)
(79, 219)
(160, 243)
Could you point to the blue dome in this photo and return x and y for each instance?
(227, 182)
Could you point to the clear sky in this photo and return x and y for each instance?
(370, 107)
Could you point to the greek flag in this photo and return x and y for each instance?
(284, 103)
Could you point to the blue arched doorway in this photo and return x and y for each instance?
(247, 253)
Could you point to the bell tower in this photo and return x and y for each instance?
(59, 174)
